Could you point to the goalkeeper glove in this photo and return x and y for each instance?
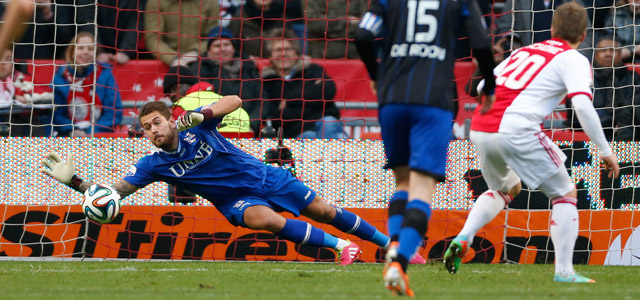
(189, 120)
(59, 169)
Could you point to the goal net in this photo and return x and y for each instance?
(76, 79)
(607, 206)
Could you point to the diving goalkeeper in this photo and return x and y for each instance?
(191, 152)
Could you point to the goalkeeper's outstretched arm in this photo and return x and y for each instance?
(224, 106)
(64, 171)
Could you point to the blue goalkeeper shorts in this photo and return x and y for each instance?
(283, 193)
(417, 136)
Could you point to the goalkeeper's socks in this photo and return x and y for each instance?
(564, 232)
(304, 233)
(396, 212)
(348, 222)
(486, 208)
(414, 227)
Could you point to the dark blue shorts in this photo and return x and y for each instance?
(284, 192)
(417, 136)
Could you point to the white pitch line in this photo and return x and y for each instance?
(133, 269)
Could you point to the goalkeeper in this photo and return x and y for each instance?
(191, 152)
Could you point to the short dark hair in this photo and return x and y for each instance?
(569, 22)
(607, 37)
(178, 75)
(152, 106)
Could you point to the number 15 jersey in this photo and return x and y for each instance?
(417, 50)
(531, 83)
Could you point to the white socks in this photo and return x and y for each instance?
(564, 232)
(487, 207)
(341, 244)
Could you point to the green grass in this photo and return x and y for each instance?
(272, 280)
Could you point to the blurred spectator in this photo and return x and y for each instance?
(501, 50)
(301, 92)
(182, 86)
(85, 92)
(257, 17)
(332, 26)
(177, 81)
(463, 49)
(623, 26)
(231, 73)
(504, 46)
(531, 19)
(17, 87)
(227, 9)
(174, 28)
(598, 11)
(23, 106)
(616, 94)
(118, 23)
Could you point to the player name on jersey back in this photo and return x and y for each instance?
(531, 83)
(418, 50)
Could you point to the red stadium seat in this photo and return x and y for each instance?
(141, 81)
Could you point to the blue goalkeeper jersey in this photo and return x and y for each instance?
(204, 163)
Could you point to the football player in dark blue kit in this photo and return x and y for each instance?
(192, 153)
(415, 89)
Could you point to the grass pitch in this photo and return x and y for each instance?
(274, 280)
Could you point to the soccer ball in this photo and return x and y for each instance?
(101, 203)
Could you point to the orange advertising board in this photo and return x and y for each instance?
(202, 233)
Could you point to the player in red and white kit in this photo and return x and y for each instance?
(511, 146)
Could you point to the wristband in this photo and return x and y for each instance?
(208, 114)
(75, 183)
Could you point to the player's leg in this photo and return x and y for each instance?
(395, 134)
(495, 172)
(287, 193)
(503, 184)
(262, 217)
(430, 133)
(540, 164)
(397, 205)
(345, 221)
(412, 232)
(487, 207)
(415, 217)
(398, 202)
(564, 224)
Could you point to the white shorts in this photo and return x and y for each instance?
(532, 156)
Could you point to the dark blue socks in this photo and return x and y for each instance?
(414, 228)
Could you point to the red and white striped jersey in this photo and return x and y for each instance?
(531, 84)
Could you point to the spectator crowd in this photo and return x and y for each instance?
(264, 52)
